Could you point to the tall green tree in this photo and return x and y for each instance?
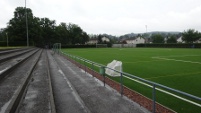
(17, 25)
(48, 31)
(63, 34)
(100, 39)
(172, 39)
(191, 35)
(2, 35)
(157, 38)
(76, 34)
(42, 31)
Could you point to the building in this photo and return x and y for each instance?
(95, 41)
(179, 40)
(92, 41)
(105, 39)
(138, 40)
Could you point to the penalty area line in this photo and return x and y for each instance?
(184, 99)
(177, 60)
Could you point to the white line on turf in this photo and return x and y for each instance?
(177, 60)
(178, 74)
(177, 56)
(142, 61)
(184, 99)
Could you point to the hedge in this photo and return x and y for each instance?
(78, 46)
(193, 45)
(16, 43)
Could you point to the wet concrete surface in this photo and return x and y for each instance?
(96, 97)
(11, 83)
(66, 98)
(37, 98)
(74, 90)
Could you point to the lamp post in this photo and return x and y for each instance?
(27, 25)
(7, 38)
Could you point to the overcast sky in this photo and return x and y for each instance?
(115, 17)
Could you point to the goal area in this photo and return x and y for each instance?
(101, 45)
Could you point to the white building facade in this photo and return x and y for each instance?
(138, 40)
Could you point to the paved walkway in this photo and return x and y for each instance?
(87, 94)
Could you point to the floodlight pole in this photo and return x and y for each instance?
(146, 35)
(146, 28)
(27, 25)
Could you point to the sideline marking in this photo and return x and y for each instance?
(142, 61)
(180, 74)
(184, 99)
(177, 60)
(177, 56)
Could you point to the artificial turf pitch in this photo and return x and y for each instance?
(176, 68)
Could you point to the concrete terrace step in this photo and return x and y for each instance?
(88, 92)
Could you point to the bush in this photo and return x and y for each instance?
(3, 44)
(193, 45)
(78, 46)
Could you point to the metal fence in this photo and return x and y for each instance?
(155, 86)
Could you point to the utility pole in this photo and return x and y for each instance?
(146, 35)
(146, 28)
(27, 25)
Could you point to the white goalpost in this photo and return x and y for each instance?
(57, 48)
(101, 45)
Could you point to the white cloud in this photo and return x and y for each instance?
(113, 16)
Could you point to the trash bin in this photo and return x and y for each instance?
(102, 70)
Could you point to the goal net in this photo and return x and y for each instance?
(101, 45)
(57, 48)
(116, 65)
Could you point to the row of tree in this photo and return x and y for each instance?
(189, 36)
(41, 31)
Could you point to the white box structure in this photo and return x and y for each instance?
(116, 65)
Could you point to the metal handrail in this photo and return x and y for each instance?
(154, 84)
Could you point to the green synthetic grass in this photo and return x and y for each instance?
(176, 68)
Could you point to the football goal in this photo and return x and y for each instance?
(57, 48)
(101, 45)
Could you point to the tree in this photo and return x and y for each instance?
(85, 37)
(190, 36)
(157, 38)
(100, 39)
(17, 25)
(76, 34)
(2, 35)
(172, 39)
(42, 31)
(48, 31)
(63, 34)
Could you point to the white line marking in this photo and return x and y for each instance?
(180, 74)
(199, 105)
(142, 61)
(178, 56)
(177, 60)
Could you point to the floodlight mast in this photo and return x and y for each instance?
(27, 25)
